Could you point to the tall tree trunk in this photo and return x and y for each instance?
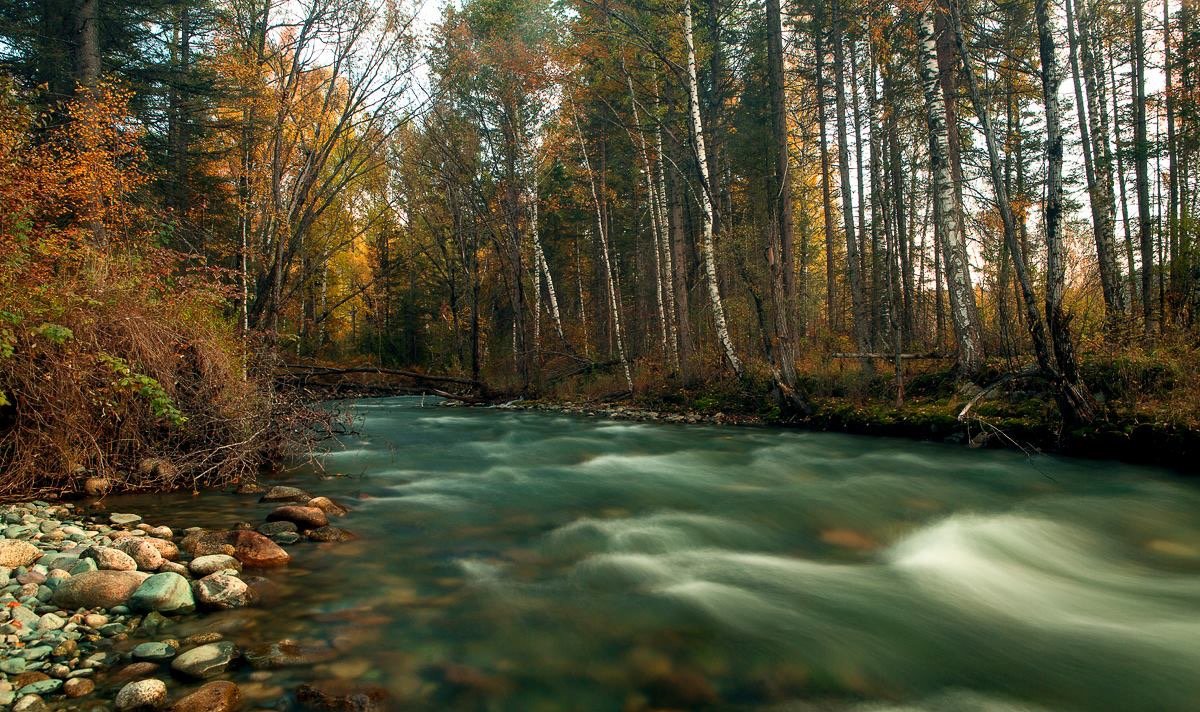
(87, 75)
(964, 313)
(655, 228)
(609, 278)
(1072, 402)
(669, 271)
(1057, 321)
(1131, 266)
(782, 262)
(707, 200)
(1097, 159)
(1141, 158)
(831, 308)
(853, 264)
(1173, 225)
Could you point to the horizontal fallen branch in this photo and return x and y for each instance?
(303, 369)
(931, 356)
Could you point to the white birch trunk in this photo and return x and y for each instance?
(652, 194)
(707, 248)
(613, 306)
(963, 310)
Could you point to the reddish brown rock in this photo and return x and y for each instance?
(303, 517)
(219, 696)
(257, 551)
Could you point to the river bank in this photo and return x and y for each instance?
(1145, 441)
(91, 602)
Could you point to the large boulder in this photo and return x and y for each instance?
(302, 517)
(216, 696)
(205, 661)
(222, 591)
(165, 593)
(285, 494)
(98, 589)
(15, 553)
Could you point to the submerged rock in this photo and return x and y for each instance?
(339, 696)
(285, 494)
(154, 652)
(331, 534)
(290, 653)
(217, 696)
(98, 589)
(205, 661)
(278, 527)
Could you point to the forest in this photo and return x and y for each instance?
(844, 213)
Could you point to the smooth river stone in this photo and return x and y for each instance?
(302, 517)
(144, 554)
(255, 550)
(216, 696)
(211, 564)
(205, 661)
(222, 591)
(328, 506)
(110, 558)
(98, 589)
(142, 695)
(165, 593)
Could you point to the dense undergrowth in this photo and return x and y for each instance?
(118, 361)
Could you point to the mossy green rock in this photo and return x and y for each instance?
(165, 593)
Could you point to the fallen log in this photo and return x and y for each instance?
(931, 356)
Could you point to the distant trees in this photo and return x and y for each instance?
(661, 191)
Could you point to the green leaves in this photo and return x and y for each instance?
(149, 388)
(54, 333)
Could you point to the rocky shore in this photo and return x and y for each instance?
(76, 587)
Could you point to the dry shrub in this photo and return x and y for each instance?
(145, 390)
(116, 359)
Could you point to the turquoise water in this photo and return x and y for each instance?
(525, 561)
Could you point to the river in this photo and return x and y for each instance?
(530, 561)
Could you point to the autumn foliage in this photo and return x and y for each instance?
(116, 361)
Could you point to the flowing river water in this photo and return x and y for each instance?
(529, 561)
